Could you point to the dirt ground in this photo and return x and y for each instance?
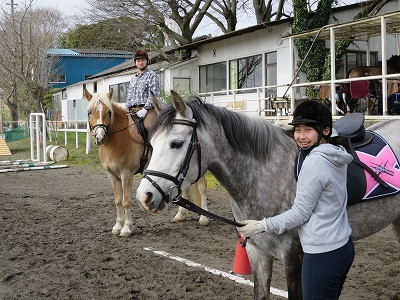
(56, 243)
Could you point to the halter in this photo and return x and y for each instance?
(174, 194)
(175, 190)
(106, 128)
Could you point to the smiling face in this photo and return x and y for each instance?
(141, 63)
(305, 136)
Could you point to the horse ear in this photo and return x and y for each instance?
(88, 96)
(178, 103)
(110, 93)
(158, 105)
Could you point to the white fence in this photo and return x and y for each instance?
(81, 126)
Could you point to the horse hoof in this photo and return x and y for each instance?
(177, 219)
(125, 233)
(204, 221)
(116, 231)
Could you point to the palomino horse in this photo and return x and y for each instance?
(254, 160)
(393, 66)
(120, 155)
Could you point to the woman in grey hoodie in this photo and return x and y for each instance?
(319, 208)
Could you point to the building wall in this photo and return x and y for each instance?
(78, 68)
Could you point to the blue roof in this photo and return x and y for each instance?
(62, 52)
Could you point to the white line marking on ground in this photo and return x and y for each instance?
(235, 278)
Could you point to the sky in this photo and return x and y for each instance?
(67, 7)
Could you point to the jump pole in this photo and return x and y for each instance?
(33, 168)
(24, 163)
(36, 125)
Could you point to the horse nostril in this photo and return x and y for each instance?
(149, 197)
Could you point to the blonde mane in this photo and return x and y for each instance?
(95, 101)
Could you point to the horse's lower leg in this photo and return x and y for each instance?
(197, 194)
(261, 267)
(117, 191)
(293, 276)
(120, 218)
(127, 204)
(180, 215)
(202, 193)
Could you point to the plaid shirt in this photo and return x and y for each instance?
(140, 87)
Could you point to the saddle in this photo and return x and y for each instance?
(374, 172)
(138, 132)
(352, 127)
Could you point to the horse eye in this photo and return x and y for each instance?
(176, 144)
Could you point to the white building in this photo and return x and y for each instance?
(252, 69)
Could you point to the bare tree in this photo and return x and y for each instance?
(25, 36)
(224, 14)
(178, 20)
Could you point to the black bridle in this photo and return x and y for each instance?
(175, 191)
(106, 128)
(178, 179)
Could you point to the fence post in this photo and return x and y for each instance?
(87, 137)
(32, 138)
(76, 135)
(65, 133)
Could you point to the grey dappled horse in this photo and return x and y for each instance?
(254, 161)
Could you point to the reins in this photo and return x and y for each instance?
(174, 195)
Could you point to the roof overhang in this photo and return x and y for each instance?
(361, 29)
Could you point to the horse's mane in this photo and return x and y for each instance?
(251, 136)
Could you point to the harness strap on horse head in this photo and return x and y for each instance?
(180, 177)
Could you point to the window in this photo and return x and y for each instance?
(213, 77)
(120, 91)
(354, 59)
(57, 78)
(245, 72)
(181, 85)
(95, 87)
(271, 73)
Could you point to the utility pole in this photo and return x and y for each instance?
(14, 81)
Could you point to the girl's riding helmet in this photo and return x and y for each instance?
(313, 112)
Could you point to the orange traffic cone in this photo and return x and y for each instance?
(241, 263)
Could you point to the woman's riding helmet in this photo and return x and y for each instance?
(313, 112)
